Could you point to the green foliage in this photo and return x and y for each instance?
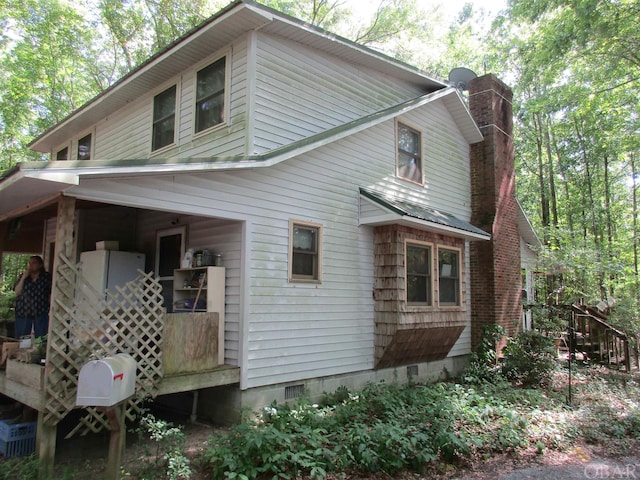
(384, 428)
(165, 452)
(529, 358)
(23, 468)
(483, 364)
(12, 267)
(26, 468)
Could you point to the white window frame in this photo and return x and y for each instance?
(226, 98)
(176, 116)
(458, 251)
(317, 276)
(430, 303)
(403, 172)
(56, 151)
(92, 148)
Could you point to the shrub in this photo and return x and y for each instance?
(483, 363)
(529, 358)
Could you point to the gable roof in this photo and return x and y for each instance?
(230, 23)
(399, 210)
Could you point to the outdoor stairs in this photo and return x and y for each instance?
(595, 340)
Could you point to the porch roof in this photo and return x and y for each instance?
(402, 211)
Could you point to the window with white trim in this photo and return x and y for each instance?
(210, 95)
(305, 244)
(84, 148)
(449, 277)
(409, 154)
(63, 154)
(418, 274)
(164, 118)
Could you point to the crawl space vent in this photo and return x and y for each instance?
(293, 391)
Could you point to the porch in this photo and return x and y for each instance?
(174, 352)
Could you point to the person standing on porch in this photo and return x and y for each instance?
(33, 295)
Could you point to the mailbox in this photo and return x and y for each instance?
(103, 383)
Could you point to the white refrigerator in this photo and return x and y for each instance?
(106, 269)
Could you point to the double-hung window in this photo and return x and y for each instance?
(409, 155)
(449, 277)
(304, 252)
(164, 118)
(210, 95)
(84, 148)
(418, 274)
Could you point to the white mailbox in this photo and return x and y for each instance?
(103, 383)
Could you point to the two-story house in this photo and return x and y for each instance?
(362, 213)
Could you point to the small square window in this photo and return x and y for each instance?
(409, 153)
(63, 154)
(449, 280)
(418, 274)
(164, 118)
(84, 148)
(304, 255)
(210, 92)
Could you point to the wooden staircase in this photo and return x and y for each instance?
(597, 341)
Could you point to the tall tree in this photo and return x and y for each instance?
(577, 79)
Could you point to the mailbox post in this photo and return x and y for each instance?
(107, 384)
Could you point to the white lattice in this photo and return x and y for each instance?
(85, 325)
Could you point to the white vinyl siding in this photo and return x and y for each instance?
(127, 133)
(299, 331)
(300, 92)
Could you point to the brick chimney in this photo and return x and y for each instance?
(496, 280)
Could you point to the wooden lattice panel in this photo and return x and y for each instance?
(86, 325)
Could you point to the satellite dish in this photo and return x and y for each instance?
(461, 77)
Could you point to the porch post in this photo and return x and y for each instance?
(65, 245)
(46, 447)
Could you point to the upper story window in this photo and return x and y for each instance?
(210, 95)
(418, 274)
(449, 280)
(409, 156)
(84, 148)
(63, 154)
(164, 118)
(304, 252)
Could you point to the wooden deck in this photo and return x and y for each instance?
(24, 391)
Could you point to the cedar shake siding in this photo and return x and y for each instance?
(408, 334)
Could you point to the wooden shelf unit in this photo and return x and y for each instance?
(210, 283)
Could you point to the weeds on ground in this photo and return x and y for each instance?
(26, 468)
(388, 428)
(162, 446)
(384, 428)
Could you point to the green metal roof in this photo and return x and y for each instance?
(418, 211)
